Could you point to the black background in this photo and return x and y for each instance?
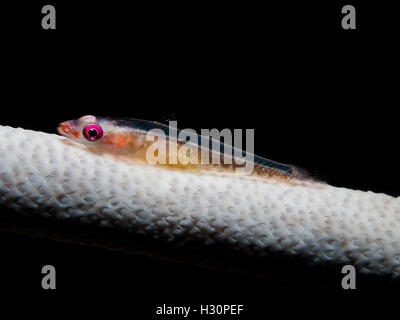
(317, 96)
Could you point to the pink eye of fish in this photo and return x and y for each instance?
(92, 132)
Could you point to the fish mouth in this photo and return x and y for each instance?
(61, 131)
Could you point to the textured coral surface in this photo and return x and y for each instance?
(60, 179)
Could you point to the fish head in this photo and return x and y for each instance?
(85, 130)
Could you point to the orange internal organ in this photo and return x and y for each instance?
(116, 139)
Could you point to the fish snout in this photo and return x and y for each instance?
(67, 129)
